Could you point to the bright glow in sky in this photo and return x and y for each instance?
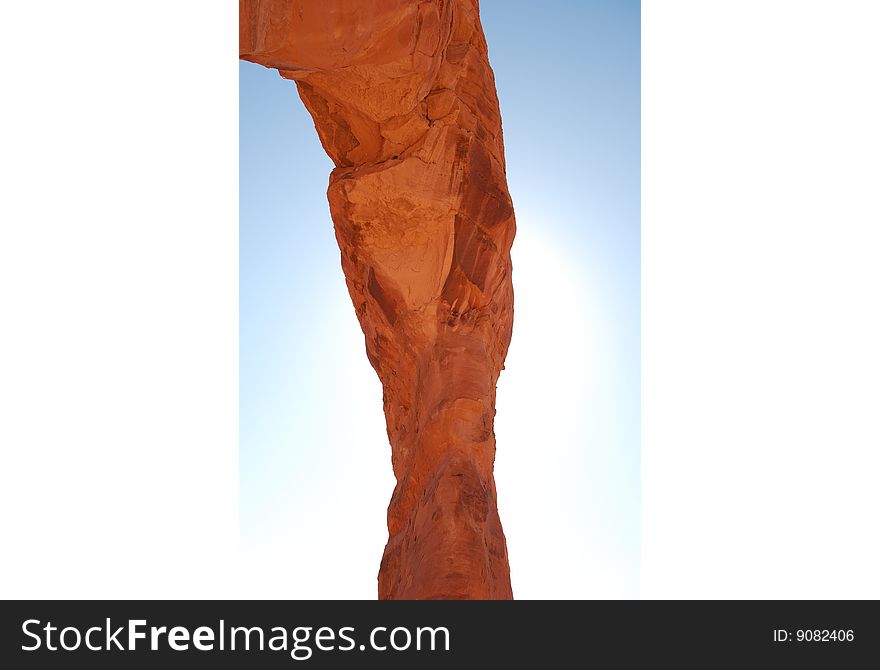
(314, 458)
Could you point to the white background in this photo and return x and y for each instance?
(118, 277)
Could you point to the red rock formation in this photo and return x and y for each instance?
(404, 102)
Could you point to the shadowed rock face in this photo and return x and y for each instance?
(404, 102)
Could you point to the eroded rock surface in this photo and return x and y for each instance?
(404, 102)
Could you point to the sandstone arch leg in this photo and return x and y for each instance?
(404, 102)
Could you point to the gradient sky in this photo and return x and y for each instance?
(315, 462)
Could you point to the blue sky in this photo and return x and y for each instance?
(315, 469)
